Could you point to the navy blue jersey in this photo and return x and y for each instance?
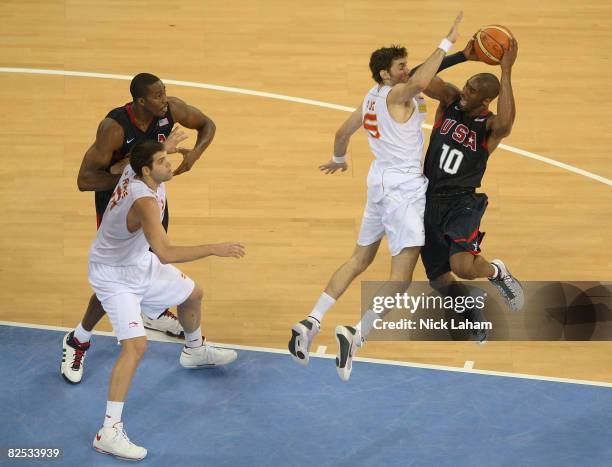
(457, 155)
(158, 130)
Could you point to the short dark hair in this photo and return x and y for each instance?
(142, 155)
(382, 59)
(488, 85)
(139, 87)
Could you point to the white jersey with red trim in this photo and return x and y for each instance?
(397, 147)
(114, 244)
(393, 144)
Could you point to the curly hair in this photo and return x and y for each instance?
(382, 59)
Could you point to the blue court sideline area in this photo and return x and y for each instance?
(265, 410)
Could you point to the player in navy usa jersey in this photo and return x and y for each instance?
(464, 135)
(150, 115)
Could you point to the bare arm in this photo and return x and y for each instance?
(404, 92)
(192, 118)
(441, 91)
(147, 212)
(341, 142)
(501, 125)
(94, 174)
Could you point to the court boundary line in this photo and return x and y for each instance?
(159, 337)
(299, 100)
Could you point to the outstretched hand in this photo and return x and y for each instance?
(176, 136)
(453, 35)
(229, 250)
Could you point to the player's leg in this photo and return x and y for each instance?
(371, 232)
(448, 287)
(124, 314)
(197, 353)
(173, 288)
(403, 221)
(167, 321)
(462, 228)
(350, 338)
(303, 333)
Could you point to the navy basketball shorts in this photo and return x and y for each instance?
(452, 225)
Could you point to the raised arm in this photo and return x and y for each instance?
(94, 174)
(404, 92)
(500, 125)
(341, 142)
(147, 212)
(194, 119)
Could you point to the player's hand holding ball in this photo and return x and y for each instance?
(509, 55)
(491, 42)
(470, 51)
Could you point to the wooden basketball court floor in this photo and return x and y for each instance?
(258, 183)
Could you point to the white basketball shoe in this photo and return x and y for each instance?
(206, 356)
(302, 335)
(114, 441)
(166, 322)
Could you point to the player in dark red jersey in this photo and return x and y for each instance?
(464, 135)
(150, 116)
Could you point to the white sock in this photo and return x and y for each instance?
(496, 273)
(81, 334)
(367, 323)
(194, 339)
(324, 303)
(113, 413)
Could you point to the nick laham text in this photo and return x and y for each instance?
(430, 323)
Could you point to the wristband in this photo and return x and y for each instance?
(445, 45)
(339, 159)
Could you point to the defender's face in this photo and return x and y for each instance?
(156, 101)
(471, 98)
(399, 71)
(161, 169)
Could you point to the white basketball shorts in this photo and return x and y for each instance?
(125, 291)
(396, 211)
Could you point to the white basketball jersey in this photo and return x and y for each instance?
(398, 145)
(115, 245)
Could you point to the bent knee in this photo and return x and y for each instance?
(197, 294)
(136, 346)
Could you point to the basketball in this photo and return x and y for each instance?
(490, 43)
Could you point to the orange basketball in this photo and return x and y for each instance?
(490, 43)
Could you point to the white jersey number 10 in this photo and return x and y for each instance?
(450, 161)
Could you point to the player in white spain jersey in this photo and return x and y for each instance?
(129, 279)
(392, 113)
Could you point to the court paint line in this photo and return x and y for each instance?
(321, 350)
(159, 337)
(469, 364)
(299, 100)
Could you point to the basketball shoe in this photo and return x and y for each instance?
(73, 358)
(348, 340)
(114, 441)
(206, 356)
(302, 335)
(166, 322)
(509, 288)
